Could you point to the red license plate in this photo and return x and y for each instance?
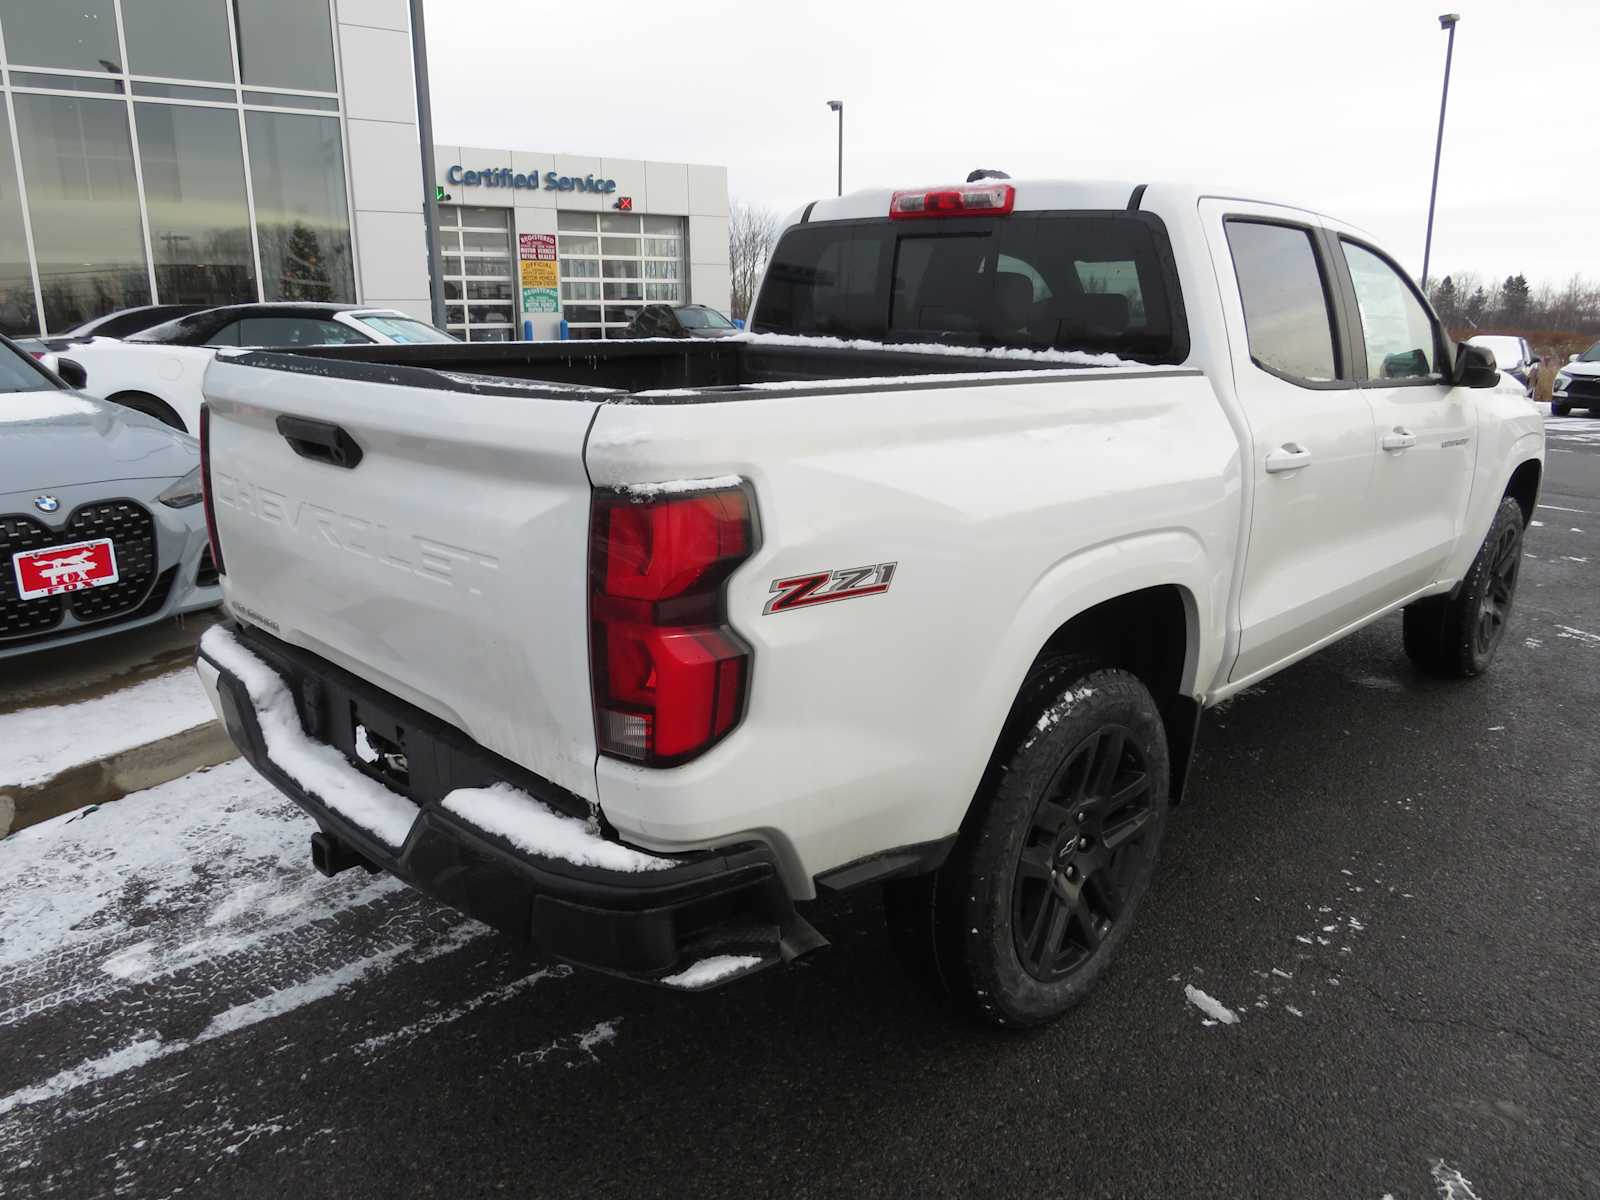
(60, 569)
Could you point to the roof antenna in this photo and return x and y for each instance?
(985, 173)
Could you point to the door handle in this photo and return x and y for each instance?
(1288, 457)
(1399, 438)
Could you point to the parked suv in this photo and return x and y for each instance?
(1578, 384)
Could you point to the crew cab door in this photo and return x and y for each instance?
(1309, 569)
(1425, 455)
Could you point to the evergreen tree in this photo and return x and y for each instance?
(1474, 308)
(1445, 301)
(304, 275)
(1514, 297)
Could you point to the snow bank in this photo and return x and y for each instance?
(533, 827)
(315, 766)
(1210, 1005)
(42, 406)
(708, 970)
(38, 743)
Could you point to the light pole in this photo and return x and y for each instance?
(430, 204)
(1446, 21)
(838, 107)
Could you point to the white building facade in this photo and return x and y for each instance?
(531, 240)
(222, 151)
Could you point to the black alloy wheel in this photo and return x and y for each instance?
(1084, 848)
(1494, 609)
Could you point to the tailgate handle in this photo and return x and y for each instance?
(320, 441)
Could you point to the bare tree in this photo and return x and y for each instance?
(752, 231)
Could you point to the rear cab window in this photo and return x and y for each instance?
(1100, 282)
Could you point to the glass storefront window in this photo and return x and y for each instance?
(580, 268)
(178, 39)
(302, 220)
(176, 91)
(285, 100)
(577, 222)
(622, 247)
(194, 194)
(66, 83)
(284, 43)
(580, 245)
(672, 226)
(80, 35)
(78, 163)
(619, 223)
(621, 268)
(19, 314)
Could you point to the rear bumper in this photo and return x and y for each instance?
(645, 924)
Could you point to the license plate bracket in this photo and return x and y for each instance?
(56, 570)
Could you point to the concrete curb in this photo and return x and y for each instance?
(115, 776)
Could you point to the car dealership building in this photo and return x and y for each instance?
(218, 151)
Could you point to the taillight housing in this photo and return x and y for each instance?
(205, 489)
(669, 675)
(967, 200)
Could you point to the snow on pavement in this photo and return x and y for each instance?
(137, 935)
(1210, 1005)
(38, 743)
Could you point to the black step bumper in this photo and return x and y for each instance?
(647, 925)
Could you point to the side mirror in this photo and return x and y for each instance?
(1572, 358)
(71, 370)
(1475, 367)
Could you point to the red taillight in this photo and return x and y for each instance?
(205, 488)
(972, 200)
(669, 675)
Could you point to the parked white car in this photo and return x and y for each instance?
(1512, 355)
(159, 370)
(638, 650)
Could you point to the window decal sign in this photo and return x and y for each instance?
(541, 279)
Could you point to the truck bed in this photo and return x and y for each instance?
(661, 371)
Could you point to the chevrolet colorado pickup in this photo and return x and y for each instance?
(634, 648)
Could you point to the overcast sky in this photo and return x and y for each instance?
(1330, 105)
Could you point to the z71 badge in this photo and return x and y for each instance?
(824, 587)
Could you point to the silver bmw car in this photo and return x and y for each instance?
(101, 525)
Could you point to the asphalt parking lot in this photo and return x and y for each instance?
(1393, 882)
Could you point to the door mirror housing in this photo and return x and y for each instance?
(1572, 358)
(72, 373)
(1475, 367)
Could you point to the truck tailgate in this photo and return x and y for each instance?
(447, 566)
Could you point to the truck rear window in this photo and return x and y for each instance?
(1101, 282)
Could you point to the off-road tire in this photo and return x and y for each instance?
(960, 926)
(1456, 636)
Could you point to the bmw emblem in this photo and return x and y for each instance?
(46, 504)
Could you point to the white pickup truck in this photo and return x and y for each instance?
(634, 648)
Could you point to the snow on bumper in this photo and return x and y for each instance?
(486, 845)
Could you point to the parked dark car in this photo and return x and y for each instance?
(679, 321)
